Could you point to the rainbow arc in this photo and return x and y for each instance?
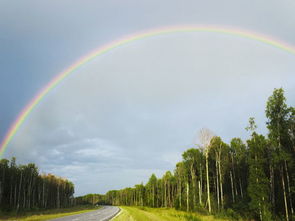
(125, 40)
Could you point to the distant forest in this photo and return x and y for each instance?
(253, 179)
(22, 188)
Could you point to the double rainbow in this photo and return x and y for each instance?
(115, 44)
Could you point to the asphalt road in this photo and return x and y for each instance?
(103, 214)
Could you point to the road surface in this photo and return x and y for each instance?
(103, 214)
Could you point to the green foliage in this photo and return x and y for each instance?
(258, 188)
(91, 199)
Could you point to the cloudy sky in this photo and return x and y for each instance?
(134, 110)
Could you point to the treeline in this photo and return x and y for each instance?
(23, 188)
(91, 199)
(254, 179)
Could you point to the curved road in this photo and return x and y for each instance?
(103, 214)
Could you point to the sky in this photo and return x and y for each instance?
(132, 111)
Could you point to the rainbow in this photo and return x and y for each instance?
(115, 44)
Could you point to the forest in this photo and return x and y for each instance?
(22, 188)
(253, 179)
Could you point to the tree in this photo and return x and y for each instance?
(151, 188)
(190, 161)
(180, 179)
(218, 149)
(258, 188)
(279, 124)
(240, 170)
(206, 136)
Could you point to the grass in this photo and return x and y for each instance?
(47, 214)
(159, 214)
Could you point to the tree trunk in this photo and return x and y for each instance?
(201, 185)
(232, 186)
(241, 188)
(285, 195)
(288, 184)
(187, 196)
(272, 187)
(58, 198)
(208, 183)
(165, 192)
(257, 181)
(15, 195)
(193, 185)
(217, 182)
(30, 190)
(200, 193)
(19, 191)
(24, 198)
(10, 195)
(180, 206)
(153, 195)
(234, 176)
(43, 195)
(220, 180)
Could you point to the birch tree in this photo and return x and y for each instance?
(205, 137)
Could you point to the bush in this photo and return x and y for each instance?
(229, 213)
(191, 218)
(142, 208)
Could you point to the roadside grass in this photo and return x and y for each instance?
(41, 215)
(123, 215)
(159, 214)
